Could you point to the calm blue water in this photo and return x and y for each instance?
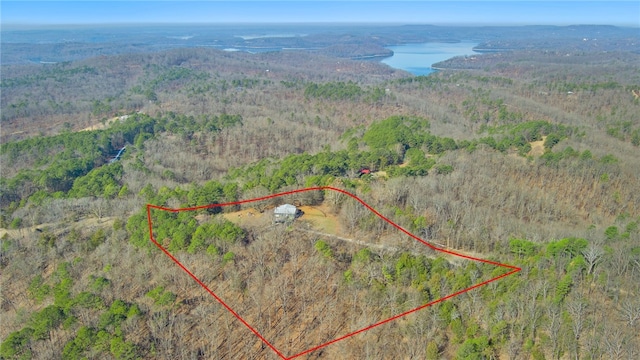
(418, 58)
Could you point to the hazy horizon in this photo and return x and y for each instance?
(43, 14)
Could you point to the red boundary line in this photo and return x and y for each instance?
(514, 270)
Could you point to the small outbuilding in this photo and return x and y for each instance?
(364, 171)
(285, 213)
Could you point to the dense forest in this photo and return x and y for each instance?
(527, 157)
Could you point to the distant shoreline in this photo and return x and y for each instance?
(489, 50)
(372, 57)
(366, 41)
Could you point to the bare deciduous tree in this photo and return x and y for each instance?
(630, 311)
(592, 255)
(577, 307)
(614, 342)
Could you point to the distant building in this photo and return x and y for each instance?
(364, 171)
(285, 213)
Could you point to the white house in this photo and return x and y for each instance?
(286, 212)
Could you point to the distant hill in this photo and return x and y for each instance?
(355, 41)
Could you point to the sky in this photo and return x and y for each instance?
(514, 12)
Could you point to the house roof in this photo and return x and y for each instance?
(286, 209)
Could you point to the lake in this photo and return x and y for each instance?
(418, 58)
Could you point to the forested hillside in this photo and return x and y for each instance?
(529, 158)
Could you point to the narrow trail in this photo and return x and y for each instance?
(388, 248)
(353, 241)
(59, 227)
(430, 253)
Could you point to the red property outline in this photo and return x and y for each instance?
(514, 269)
